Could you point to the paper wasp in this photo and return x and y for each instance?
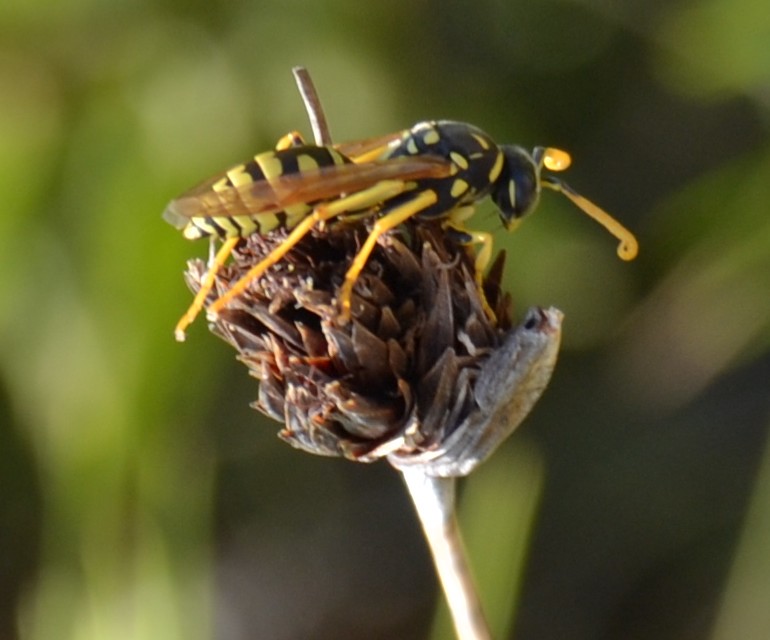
(435, 170)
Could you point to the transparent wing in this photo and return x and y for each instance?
(368, 149)
(324, 183)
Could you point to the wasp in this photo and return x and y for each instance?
(436, 170)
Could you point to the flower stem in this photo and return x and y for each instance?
(315, 111)
(434, 500)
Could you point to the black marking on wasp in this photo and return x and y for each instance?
(435, 170)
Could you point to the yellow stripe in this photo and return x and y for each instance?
(271, 166)
(238, 176)
(306, 162)
(411, 147)
(459, 159)
(248, 225)
(431, 136)
(459, 187)
(494, 172)
(267, 222)
(295, 213)
(198, 228)
(221, 184)
(338, 158)
(231, 231)
(481, 140)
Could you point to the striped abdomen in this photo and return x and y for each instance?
(247, 198)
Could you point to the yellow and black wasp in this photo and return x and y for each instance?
(434, 170)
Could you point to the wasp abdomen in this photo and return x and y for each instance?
(222, 206)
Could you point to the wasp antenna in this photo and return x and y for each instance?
(628, 247)
(556, 159)
(551, 158)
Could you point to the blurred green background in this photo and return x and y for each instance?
(141, 498)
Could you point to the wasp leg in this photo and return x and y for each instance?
(484, 255)
(390, 220)
(291, 139)
(480, 264)
(360, 200)
(207, 284)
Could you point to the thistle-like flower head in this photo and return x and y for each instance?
(422, 374)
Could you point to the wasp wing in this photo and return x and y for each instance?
(306, 187)
(368, 149)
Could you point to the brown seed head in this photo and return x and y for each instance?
(421, 374)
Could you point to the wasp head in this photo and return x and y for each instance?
(517, 188)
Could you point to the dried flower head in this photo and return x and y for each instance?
(421, 374)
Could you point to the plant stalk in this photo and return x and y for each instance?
(434, 500)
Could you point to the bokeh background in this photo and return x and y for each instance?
(141, 497)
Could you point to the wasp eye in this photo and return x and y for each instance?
(516, 191)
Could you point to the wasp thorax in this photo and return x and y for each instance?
(517, 189)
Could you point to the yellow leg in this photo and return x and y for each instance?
(455, 221)
(292, 139)
(389, 221)
(361, 200)
(482, 260)
(483, 256)
(206, 286)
